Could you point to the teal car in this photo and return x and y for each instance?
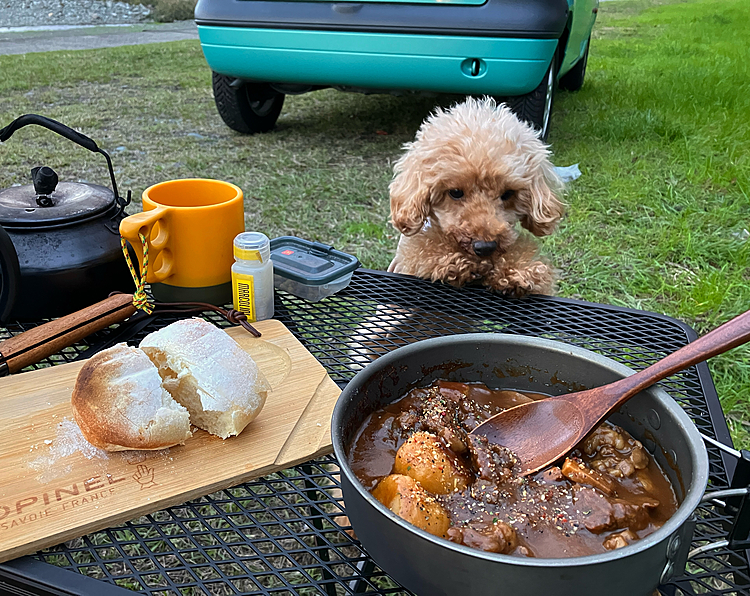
(515, 50)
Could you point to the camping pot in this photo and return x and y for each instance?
(59, 241)
(428, 565)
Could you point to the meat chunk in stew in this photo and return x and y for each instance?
(437, 414)
(620, 539)
(614, 452)
(490, 461)
(500, 538)
(577, 471)
(601, 513)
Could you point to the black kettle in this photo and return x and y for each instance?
(59, 241)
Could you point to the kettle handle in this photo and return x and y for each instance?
(10, 275)
(53, 125)
(71, 135)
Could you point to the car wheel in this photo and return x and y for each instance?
(246, 107)
(536, 107)
(573, 79)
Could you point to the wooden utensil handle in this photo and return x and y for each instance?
(42, 341)
(731, 334)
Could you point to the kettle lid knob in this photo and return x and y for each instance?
(45, 181)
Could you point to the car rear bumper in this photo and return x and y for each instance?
(385, 61)
(526, 19)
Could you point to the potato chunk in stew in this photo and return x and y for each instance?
(406, 498)
(425, 458)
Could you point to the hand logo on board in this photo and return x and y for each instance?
(144, 476)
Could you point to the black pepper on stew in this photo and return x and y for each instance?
(417, 457)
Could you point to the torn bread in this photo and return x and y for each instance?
(206, 371)
(119, 403)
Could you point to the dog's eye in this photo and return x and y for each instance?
(508, 194)
(456, 193)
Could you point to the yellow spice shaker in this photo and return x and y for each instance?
(252, 276)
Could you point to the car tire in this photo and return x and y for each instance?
(536, 107)
(573, 79)
(246, 107)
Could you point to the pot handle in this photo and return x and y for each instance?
(739, 535)
(10, 275)
(53, 125)
(735, 500)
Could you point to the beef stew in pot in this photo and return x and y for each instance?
(417, 457)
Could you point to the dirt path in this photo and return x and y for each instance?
(30, 39)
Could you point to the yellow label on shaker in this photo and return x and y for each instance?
(243, 292)
(247, 254)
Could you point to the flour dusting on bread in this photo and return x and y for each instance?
(208, 373)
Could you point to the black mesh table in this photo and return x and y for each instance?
(284, 534)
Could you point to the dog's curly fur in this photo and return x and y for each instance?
(472, 173)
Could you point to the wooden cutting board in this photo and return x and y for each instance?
(55, 487)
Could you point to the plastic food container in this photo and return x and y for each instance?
(310, 270)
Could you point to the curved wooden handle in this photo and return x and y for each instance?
(731, 334)
(38, 343)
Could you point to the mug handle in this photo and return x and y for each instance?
(143, 223)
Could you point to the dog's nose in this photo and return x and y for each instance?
(483, 249)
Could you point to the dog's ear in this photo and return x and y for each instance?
(410, 196)
(543, 209)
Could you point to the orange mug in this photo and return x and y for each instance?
(189, 226)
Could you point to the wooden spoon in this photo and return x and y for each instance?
(541, 432)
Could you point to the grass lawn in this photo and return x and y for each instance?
(658, 221)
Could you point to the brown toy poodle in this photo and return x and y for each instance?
(472, 173)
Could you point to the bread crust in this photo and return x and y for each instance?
(119, 403)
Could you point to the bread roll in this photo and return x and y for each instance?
(206, 371)
(119, 403)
